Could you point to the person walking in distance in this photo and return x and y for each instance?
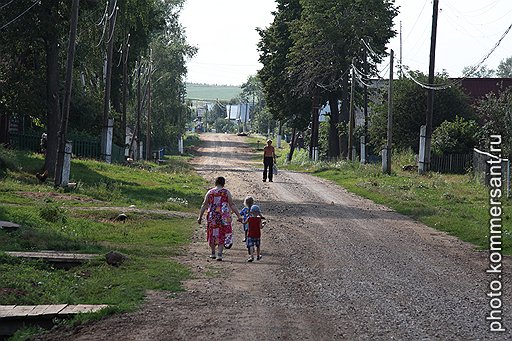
(269, 158)
(255, 224)
(220, 205)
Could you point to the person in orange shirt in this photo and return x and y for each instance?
(269, 158)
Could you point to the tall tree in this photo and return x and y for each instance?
(283, 102)
(481, 72)
(326, 39)
(505, 68)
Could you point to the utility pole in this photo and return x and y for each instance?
(364, 138)
(313, 148)
(400, 70)
(424, 164)
(351, 114)
(125, 85)
(139, 109)
(67, 96)
(111, 17)
(386, 155)
(148, 130)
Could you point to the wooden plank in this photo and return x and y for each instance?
(5, 309)
(20, 310)
(54, 255)
(82, 308)
(38, 310)
(54, 309)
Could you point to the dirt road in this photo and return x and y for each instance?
(334, 267)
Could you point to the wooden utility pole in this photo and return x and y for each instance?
(424, 165)
(126, 46)
(111, 17)
(148, 129)
(365, 110)
(136, 135)
(351, 114)
(61, 136)
(386, 157)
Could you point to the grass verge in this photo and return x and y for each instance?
(83, 220)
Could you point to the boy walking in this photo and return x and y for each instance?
(255, 224)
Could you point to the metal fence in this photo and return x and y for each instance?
(81, 148)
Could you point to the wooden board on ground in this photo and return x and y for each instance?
(54, 255)
(20, 311)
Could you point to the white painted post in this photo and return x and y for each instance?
(110, 135)
(66, 166)
(421, 159)
(363, 149)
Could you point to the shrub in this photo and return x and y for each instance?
(52, 213)
(456, 137)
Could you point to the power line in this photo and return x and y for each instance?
(19, 16)
(7, 4)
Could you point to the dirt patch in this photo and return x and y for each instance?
(335, 267)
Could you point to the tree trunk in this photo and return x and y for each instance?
(334, 140)
(52, 84)
(4, 129)
(345, 113)
(292, 144)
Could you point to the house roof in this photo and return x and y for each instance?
(477, 88)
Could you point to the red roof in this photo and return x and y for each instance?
(476, 88)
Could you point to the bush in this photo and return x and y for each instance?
(456, 137)
(52, 213)
(7, 161)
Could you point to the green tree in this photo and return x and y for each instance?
(409, 111)
(481, 72)
(494, 111)
(455, 137)
(505, 68)
(326, 40)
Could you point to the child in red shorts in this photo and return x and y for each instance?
(255, 224)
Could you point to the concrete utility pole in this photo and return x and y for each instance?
(424, 164)
(111, 17)
(313, 148)
(67, 96)
(386, 153)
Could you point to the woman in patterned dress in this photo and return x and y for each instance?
(220, 205)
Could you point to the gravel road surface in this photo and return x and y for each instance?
(335, 267)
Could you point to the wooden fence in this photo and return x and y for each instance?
(451, 163)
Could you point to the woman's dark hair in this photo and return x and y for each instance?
(220, 181)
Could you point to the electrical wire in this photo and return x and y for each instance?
(19, 16)
(7, 4)
(417, 19)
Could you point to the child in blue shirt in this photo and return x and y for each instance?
(246, 213)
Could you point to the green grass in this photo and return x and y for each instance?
(212, 92)
(456, 204)
(53, 220)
